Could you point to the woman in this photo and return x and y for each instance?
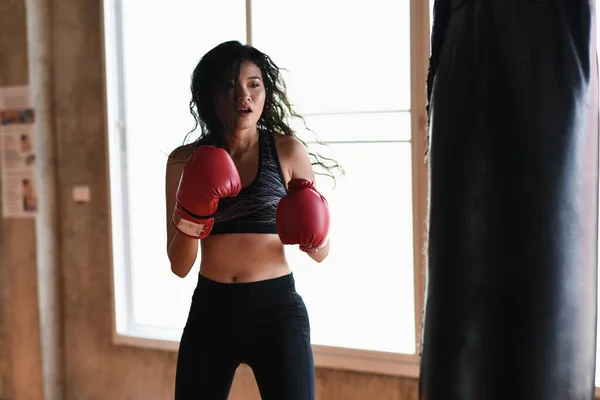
(243, 190)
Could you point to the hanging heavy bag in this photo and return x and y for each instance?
(510, 308)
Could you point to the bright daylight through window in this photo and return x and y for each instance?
(353, 86)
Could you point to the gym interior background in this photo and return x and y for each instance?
(88, 307)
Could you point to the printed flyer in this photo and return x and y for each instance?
(17, 153)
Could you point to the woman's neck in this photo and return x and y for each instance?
(241, 141)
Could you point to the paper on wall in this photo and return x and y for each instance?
(17, 153)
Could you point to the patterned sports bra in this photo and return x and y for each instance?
(253, 210)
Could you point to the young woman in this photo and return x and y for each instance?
(242, 191)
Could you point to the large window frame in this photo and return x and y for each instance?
(327, 357)
(406, 365)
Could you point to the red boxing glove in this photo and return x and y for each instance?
(303, 217)
(209, 175)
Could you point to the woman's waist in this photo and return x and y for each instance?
(243, 272)
(239, 258)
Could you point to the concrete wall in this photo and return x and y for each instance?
(55, 317)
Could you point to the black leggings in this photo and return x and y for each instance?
(263, 324)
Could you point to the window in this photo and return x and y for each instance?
(148, 77)
(354, 86)
(341, 82)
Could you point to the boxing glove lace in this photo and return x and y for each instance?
(303, 216)
(209, 175)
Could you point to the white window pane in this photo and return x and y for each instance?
(161, 46)
(362, 295)
(159, 298)
(355, 127)
(342, 56)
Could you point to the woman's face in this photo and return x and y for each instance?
(243, 104)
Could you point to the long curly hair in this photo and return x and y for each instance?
(212, 77)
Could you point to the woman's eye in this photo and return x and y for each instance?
(254, 85)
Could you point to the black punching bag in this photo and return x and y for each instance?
(510, 308)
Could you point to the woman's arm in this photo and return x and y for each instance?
(321, 254)
(182, 250)
(296, 165)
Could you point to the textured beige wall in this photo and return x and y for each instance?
(84, 364)
(20, 354)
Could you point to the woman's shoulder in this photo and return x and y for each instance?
(182, 153)
(287, 145)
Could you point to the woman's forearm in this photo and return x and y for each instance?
(183, 251)
(321, 254)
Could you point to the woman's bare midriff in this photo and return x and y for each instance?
(241, 257)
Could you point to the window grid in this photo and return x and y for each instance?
(401, 364)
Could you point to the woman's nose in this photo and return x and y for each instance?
(244, 95)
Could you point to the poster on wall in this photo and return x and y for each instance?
(17, 153)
